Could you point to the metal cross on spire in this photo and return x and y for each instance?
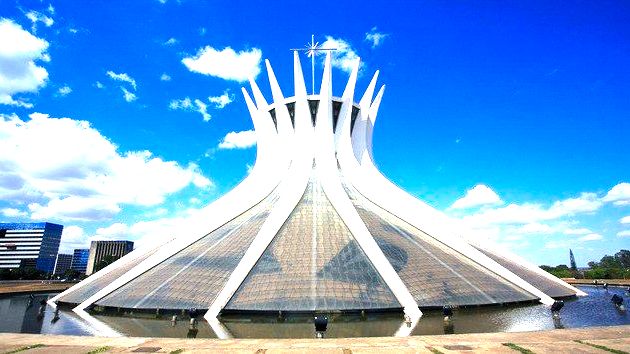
(312, 49)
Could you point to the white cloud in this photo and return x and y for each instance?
(8, 100)
(590, 237)
(513, 224)
(12, 212)
(344, 57)
(619, 195)
(99, 85)
(19, 50)
(238, 140)
(375, 37)
(195, 105)
(74, 208)
(73, 30)
(625, 233)
(122, 77)
(226, 64)
(535, 228)
(69, 171)
(112, 231)
(221, 101)
(202, 108)
(580, 231)
(65, 90)
(165, 77)
(36, 17)
(128, 96)
(529, 213)
(51, 9)
(72, 237)
(171, 41)
(585, 203)
(185, 104)
(625, 220)
(477, 196)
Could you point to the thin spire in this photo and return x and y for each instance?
(298, 77)
(375, 104)
(366, 100)
(278, 97)
(352, 81)
(258, 96)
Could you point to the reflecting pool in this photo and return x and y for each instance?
(27, 314)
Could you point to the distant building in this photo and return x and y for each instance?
(80, 259)
(101, 249)
(64, 261)
(29, 245)
(572, 260)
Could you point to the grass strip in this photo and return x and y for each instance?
(602, 347)
(25, 348)
(99, 350)
(518, 348)
(434, 351)
(177, 351)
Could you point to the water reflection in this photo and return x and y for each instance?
(26, 314)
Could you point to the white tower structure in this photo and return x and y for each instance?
(315, 227)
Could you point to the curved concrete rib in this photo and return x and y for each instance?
(290, 191)
(253, 189)
(326, 168)
(283, 119)
(364, 175)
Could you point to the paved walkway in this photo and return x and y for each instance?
(35, 286)
(555, 341)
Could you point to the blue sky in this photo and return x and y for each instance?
(120, 119)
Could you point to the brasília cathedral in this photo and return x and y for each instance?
(315, 228)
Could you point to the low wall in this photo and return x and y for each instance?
(616, 282)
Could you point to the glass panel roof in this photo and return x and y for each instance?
(435, 274)
(194, 276)
(313, 264)
(543, 284)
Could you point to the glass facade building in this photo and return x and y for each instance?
(64, 262)
(80, 259)
(29, 245)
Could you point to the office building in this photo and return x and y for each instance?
(100, 250)
(80, 259)
(64, 261)
(29, 245)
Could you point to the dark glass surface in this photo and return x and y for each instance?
(435, 274)
(313, 264)
(543, 284)
(194, 276)
(83, 293)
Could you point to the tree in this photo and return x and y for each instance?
(623, 257)
(107, 260)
